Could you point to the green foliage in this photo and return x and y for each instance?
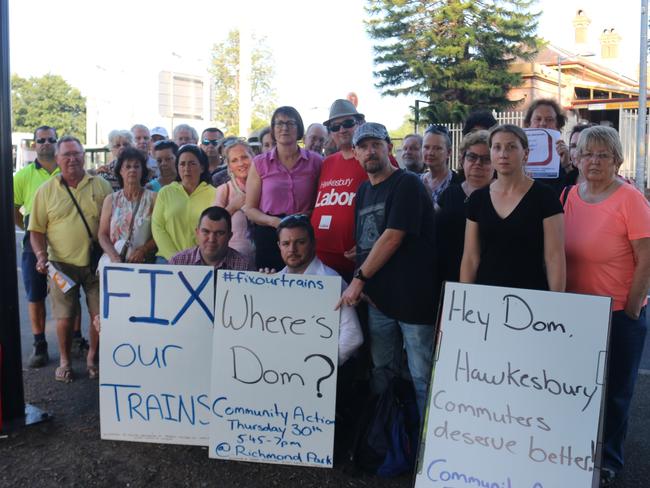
(47, 100)
(403, 130)
(225, 71)
(455, 53)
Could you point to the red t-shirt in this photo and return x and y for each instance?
(333, 216)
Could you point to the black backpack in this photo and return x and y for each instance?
(387, 439)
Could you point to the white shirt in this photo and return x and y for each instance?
(350, 335)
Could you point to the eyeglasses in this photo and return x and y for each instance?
(600, 157)
(346, 124)
(288, 124)
(43, 140)
(294, 218)
(474, 158)
(214, 142)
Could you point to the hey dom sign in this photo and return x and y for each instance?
(516, 394)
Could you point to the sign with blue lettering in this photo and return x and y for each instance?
(517, 389)
(155, 353)
(274, 368)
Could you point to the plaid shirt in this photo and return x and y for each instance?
(233, 260)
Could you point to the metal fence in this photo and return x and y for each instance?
(626, 128)
(456, 132)
(627, 120)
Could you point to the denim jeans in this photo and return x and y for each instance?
(627, 337)
(386, 338)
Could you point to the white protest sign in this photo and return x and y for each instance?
(515, 399)
(155, 356)
(274, 368)
(543, 158)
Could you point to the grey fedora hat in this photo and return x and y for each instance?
(342, 108)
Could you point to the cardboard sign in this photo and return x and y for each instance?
(155, 353)
(274, 368)
(517, 389)
(543, 158)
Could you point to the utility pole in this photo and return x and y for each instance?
(641, 137)
(12, 397)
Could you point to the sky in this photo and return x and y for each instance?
(321, 50)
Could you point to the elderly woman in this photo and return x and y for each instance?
(118, 141)
(436, 149)
(608, 253)
(125, 223)
(450, 218)
(280, 182)
(514, 229)
(180, 203)
(232, 194)
(164, 152)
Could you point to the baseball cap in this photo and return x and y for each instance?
(369, 129)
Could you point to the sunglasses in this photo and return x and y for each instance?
(294, 218)
(346, 124)
(42, 140)
(214, 142)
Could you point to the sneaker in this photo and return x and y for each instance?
(39, 357)
(79, 347)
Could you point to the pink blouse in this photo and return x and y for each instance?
(288, 191)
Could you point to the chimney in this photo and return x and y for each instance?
(609, 41)
(581, 24)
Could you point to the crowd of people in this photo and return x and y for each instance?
(340, 204)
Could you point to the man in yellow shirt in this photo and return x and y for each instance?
(59, 238)
(26, 182)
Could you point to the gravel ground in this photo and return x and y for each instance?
(68, 451)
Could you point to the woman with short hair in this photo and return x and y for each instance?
(125, 223)
(514, 231)
(280, 182)
(607, 227)
(118, 141)
(450, 218)
(180, 203)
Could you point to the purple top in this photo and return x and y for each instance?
(284, 191)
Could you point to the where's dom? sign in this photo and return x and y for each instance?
(517, 389)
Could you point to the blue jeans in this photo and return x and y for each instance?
(386, 338)
(626, 341)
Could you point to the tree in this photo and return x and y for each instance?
(47, 100)
(454, 52)
(225, 71)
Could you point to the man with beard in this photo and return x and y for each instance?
(340, 176)
(412, 153)
(395, 257)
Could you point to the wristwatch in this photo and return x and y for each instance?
(358, 274)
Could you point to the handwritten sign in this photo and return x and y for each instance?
(517, 390)
(155, 353)
(543, 158)
(274, 368)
